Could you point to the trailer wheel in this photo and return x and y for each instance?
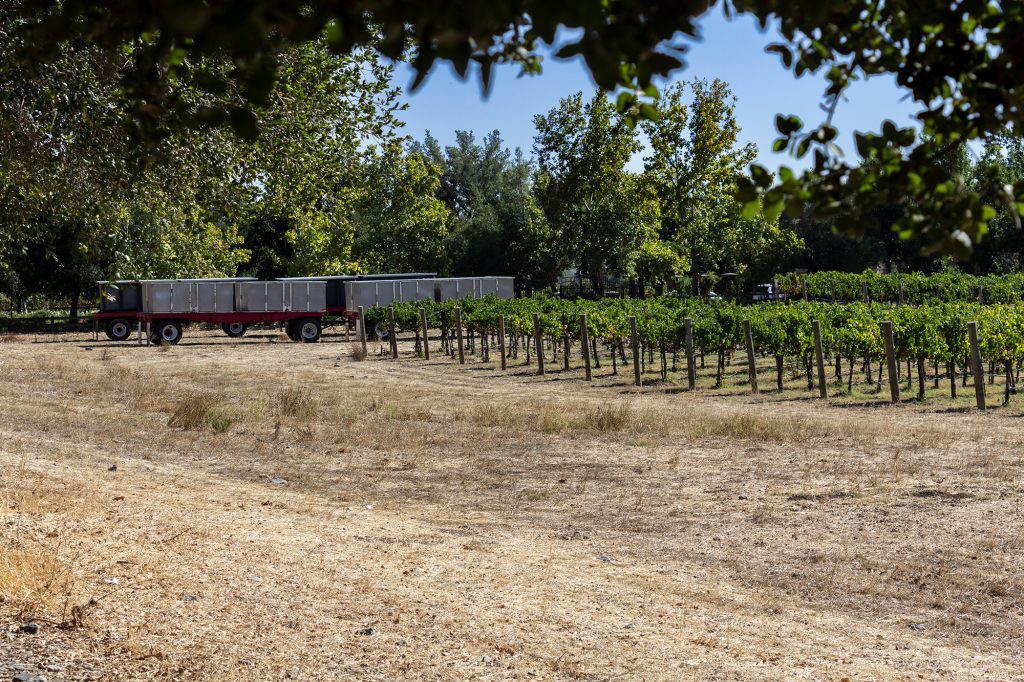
(292, 330)
(308, 330)
(166, 331)
(234, 329)
(118, 329)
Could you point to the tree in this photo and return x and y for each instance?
(58, 262)
(1000, 251)
(495, 216)
(695, 160)
(601, 213)
(401, 224)
(71, 162)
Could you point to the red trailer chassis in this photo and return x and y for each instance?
(304, 326)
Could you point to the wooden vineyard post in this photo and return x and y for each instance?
(751, 360)
(890, 361)
(362, 329)
(867, 294)
(585, 342)
(899, 286)
(426, 338)
(636, 349)
(981, 295)
(803, 284)
(820, 358)
(458, 334)
(565, 353)
(976, 367)
(691, 367)
(538, 344)
(391, 333)
(501, 339)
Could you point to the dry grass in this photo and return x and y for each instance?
(197, 411)
(492, 526)
(297, 403)
(34, 583)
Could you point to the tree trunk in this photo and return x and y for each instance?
(1009, 382)
(920, 377)
(951, 370)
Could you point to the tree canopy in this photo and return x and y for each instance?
(959, 60)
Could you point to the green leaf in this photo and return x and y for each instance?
(750, 210)
(760, 175)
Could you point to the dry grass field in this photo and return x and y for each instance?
(257, 509)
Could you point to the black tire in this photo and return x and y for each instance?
(235, 330)
(307, 330)
(118, 329)
(166, 331)
(291, 329)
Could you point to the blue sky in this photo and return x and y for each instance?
(730, 50)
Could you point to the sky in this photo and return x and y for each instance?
(732, 50)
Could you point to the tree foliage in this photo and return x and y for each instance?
(695, 160)
(601, 213)
(497, 226)
(959, 61)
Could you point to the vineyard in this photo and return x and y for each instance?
(929, 343)
(911, 288)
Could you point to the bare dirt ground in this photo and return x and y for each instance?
(266, 510)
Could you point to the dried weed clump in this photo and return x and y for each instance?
(298, 404)
(553, 419)
(33, 582)
(197, 411)
(620, 417)
(758, 427)
(500, 414)
(357, 352)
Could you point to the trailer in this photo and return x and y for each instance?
(338, 304)
(385, 292)
(163, 307)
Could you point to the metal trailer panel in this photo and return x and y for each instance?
(416, 290)
(446, 289)
(371, 293)
(260, 296)
(506, 287)
(119, 297)
(157, 297)
(308, 296)
(383, 293)
(182, 294)
(213, 297)
(486, 286)
(502, 287)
